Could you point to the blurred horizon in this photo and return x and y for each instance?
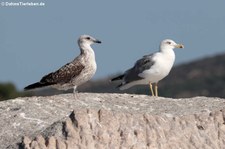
(184, 81)
(88, 86)
(35, 41)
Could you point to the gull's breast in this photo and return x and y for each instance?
(88, 71)
(160, 69)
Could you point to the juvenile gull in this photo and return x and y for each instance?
(150, 68)
(75, 73)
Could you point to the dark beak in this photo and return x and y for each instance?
(97, 41)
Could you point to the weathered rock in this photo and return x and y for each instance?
(112, 121)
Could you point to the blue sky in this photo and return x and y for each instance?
(37, 40)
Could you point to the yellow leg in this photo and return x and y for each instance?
(156, 90)
(150, 84)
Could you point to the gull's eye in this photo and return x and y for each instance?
(168, 42)
(88, 38)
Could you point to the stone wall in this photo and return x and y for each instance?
(112, 121)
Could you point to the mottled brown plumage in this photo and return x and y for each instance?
(75, 73)
(64, 74)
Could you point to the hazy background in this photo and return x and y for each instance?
(37, 40)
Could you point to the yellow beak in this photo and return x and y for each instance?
(179, 46)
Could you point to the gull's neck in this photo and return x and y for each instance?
(168, 53)
(85, 49)
(166, 50)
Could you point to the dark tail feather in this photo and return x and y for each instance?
(36, 85)
(118, 86)
(120, 77)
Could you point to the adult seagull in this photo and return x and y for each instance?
(150, 68)
(75, 73)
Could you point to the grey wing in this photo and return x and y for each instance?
(142, 64)
(145, 63)
(64, 74)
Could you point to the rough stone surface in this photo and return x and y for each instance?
(112, 121)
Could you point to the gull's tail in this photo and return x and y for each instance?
(124, 85)
(36, 85)
(121, 86)
(120, 77)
